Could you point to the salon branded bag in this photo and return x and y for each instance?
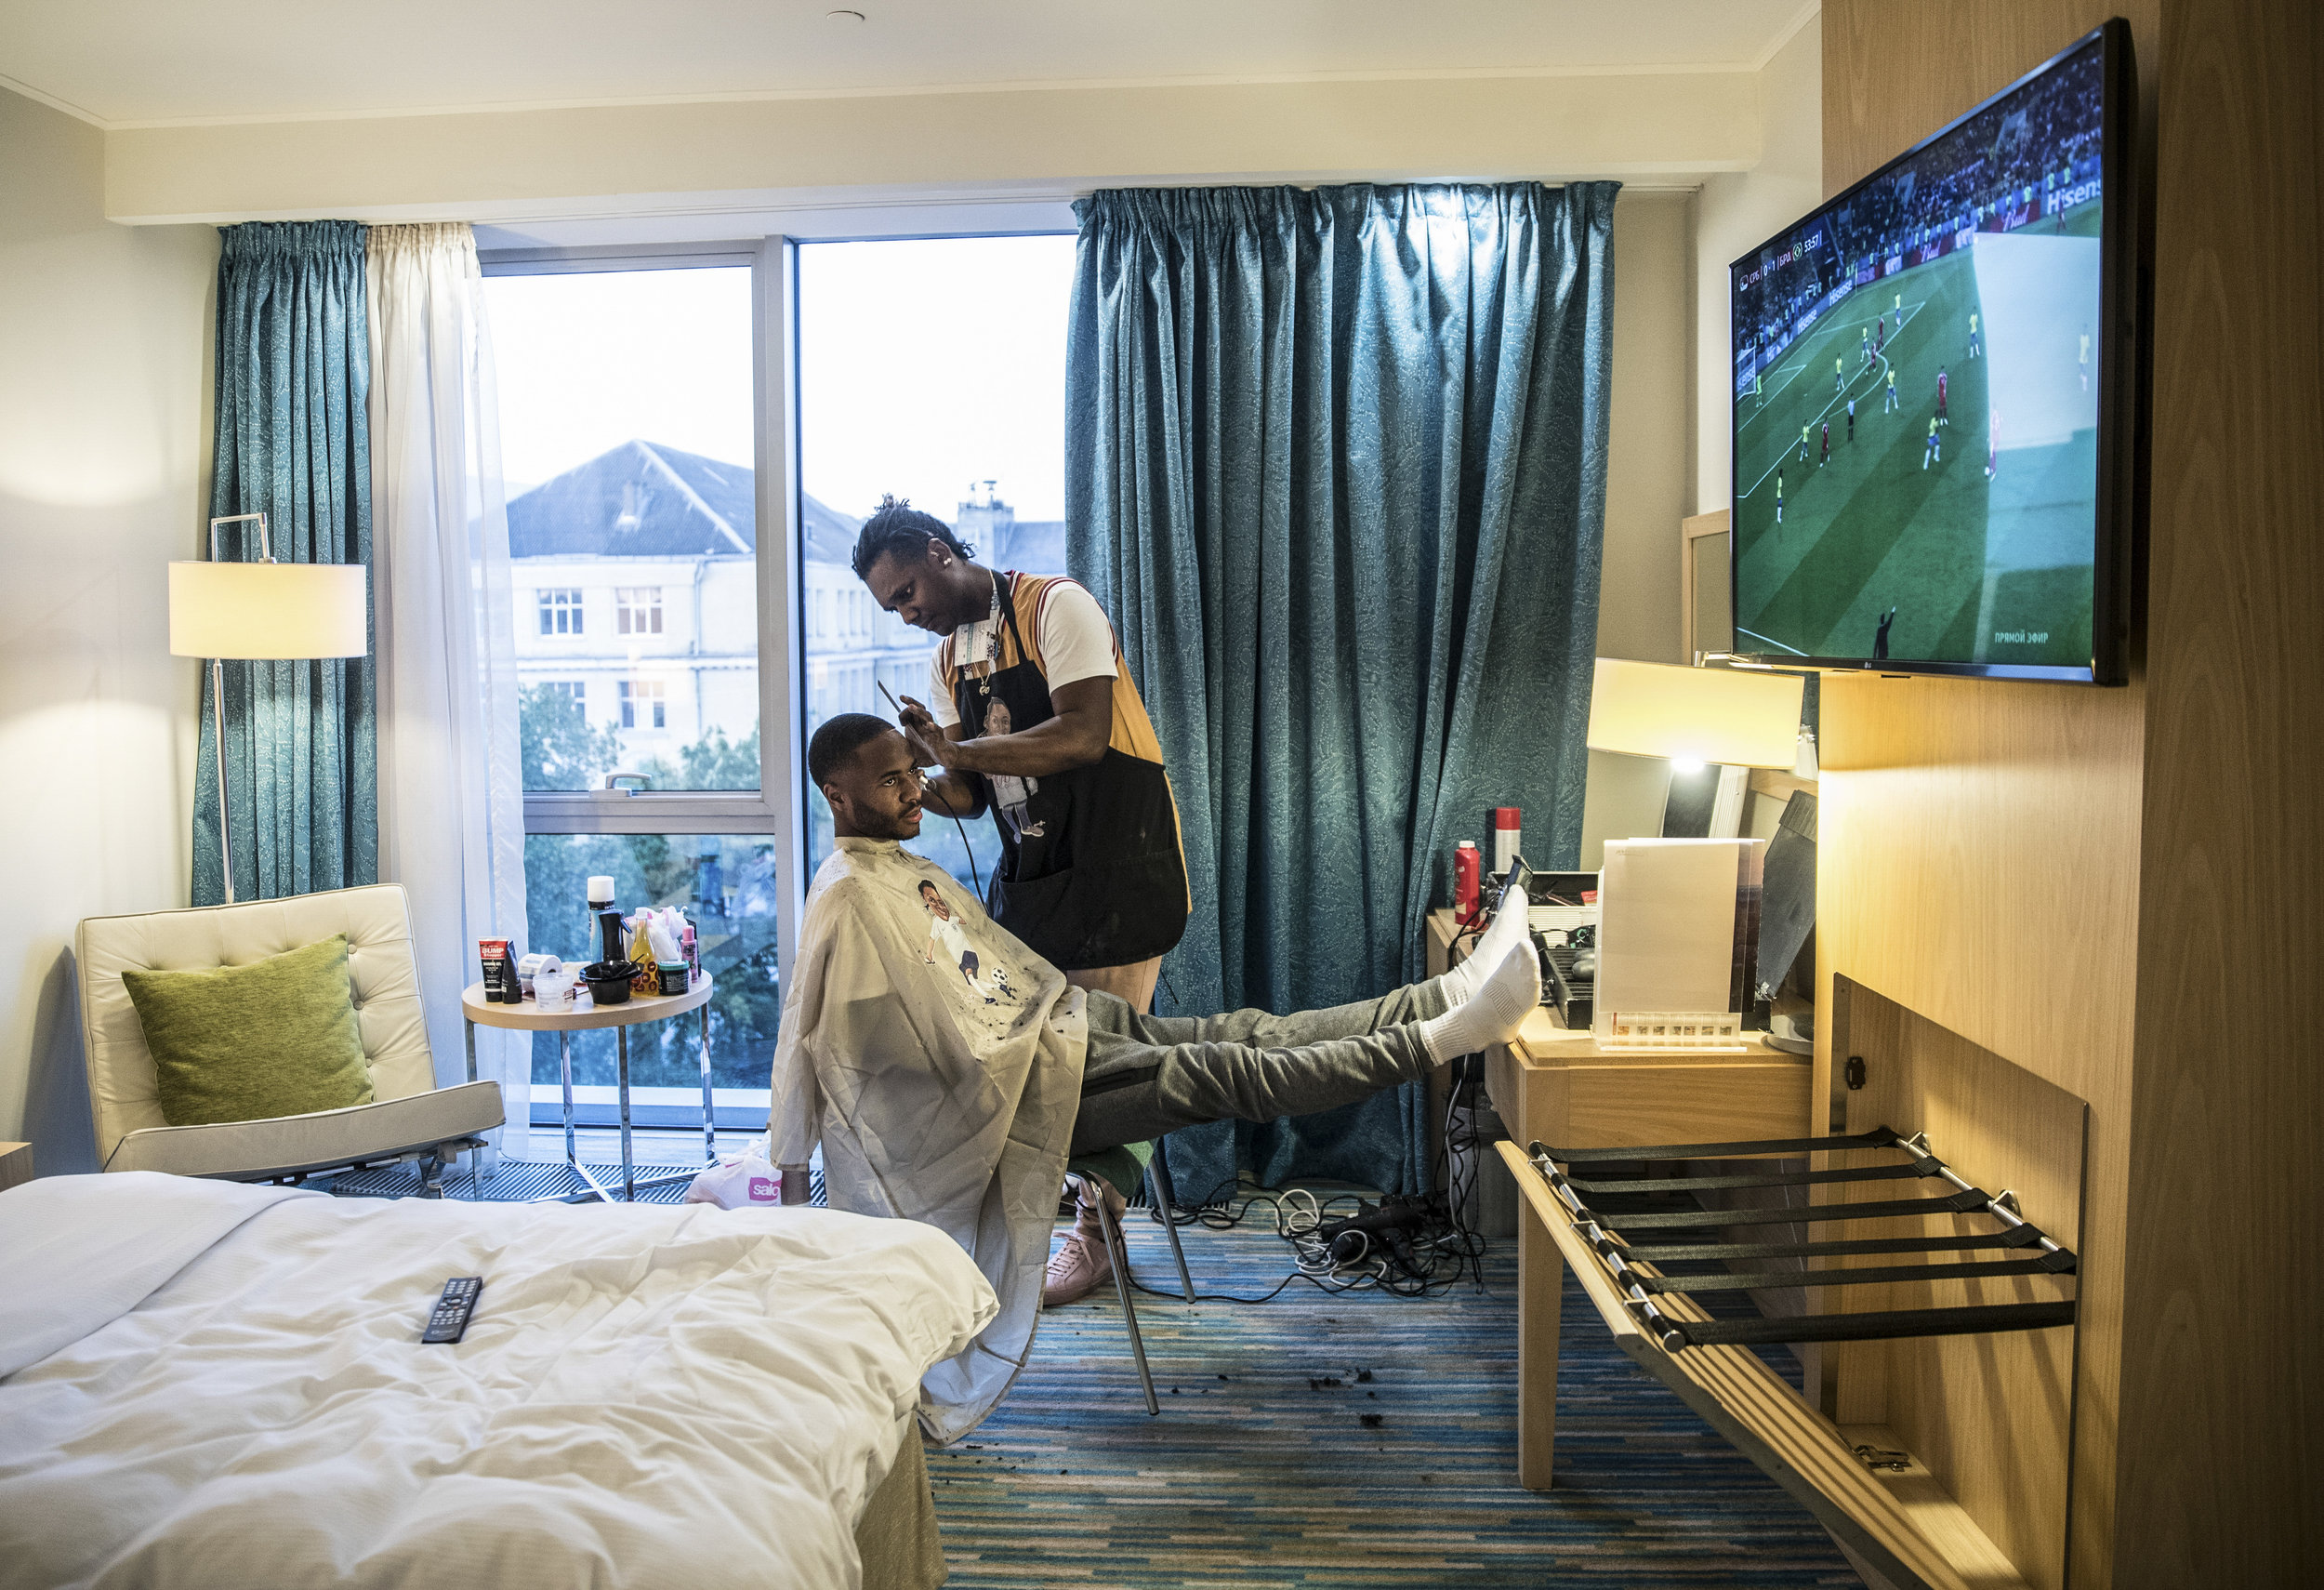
(748, 1181)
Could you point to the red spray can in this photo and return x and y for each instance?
(1467, 866)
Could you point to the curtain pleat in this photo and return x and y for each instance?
(292, 443)
(1336, 464)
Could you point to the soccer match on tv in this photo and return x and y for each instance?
(1917, 400)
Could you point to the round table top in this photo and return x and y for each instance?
(583, 1013)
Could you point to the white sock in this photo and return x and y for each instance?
(1506, 931)
(1492, 1014)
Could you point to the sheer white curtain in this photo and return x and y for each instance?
(451, 795)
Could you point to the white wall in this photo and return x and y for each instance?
(1649, 460)
(104, 448)
(730, 158)
(1740, 210)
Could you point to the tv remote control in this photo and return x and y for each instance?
(449, 1322)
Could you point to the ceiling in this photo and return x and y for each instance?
(132, 62)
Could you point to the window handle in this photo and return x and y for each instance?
(614, 783)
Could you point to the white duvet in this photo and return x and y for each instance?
(216, 1386)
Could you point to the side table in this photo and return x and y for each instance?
(584, 1015)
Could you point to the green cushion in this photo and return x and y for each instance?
(277, 1037)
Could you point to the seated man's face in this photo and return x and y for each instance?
(876, 793)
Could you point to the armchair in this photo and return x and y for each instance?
(409, 1117)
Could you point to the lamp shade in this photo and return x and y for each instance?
(268, 610)
(1710, 714)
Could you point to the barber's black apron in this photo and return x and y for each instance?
(1097, 877)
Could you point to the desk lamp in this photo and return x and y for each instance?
(266, 610)
(1688, 928)
(1695, 716)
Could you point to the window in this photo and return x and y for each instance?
(641, 392)
(643, 704)
(627, 393)
(628, 402)
(976, 437)
(638, 610)
(560, 612)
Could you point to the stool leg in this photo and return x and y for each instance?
(710, 1108)
(629, 1165)
(1118, 1250)
(1165, 1200)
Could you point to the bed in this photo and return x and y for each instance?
(208, 1383)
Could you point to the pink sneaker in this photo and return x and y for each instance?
(1081, 1264)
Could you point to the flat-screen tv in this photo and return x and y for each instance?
(1934, 397)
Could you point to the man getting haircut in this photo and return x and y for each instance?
(948, 1072)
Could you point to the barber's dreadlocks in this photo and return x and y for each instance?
(900, 528)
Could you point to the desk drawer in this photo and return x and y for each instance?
(1613, 1105)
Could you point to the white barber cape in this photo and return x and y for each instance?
(938, 1061)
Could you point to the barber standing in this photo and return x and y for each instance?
(1034, 717)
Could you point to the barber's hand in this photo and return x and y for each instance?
(923, 734)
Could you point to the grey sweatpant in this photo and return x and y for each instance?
(1147, 1075)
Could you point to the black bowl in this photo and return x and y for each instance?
(608, 981)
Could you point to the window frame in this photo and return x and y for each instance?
(775, 807)
(633, 604)
(558, 603)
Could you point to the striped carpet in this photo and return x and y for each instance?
(1252, 1477)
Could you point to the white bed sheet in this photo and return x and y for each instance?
(649, 1395)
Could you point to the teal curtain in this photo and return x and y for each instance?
(1336, 465)
(293, 374)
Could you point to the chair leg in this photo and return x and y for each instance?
(1118, 1250)
(1166, 1204)
(431, 1173)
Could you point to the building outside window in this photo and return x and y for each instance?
(574, 692)
(560, 612)
(638, 610)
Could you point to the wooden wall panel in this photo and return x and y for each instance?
(1988, 1415)
(1978, 863)
(2123, 892)
(2222, 1478)
(1980, 842)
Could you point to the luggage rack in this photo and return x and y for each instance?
(1631, 1248)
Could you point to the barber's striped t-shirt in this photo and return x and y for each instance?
(1066, 637)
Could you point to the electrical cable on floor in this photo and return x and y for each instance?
(1396, 1263)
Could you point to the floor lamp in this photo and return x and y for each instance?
(266, 610)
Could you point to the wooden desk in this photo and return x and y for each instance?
(15, 1164)
(1560, 1088)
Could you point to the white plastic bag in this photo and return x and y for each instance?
(745, 1182)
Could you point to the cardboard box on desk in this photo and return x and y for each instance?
(1678, 943)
